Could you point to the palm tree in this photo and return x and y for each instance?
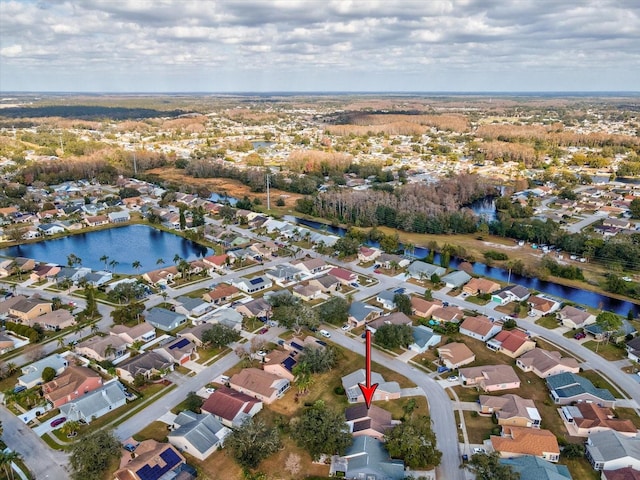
(70, 428)
(113, 264)
(394, 265)
(105, 259)
(176, 258)
(303, 378)
(160, 261)
(409, 247)
(109, 350)
(94, 327)
(61, 342)
(136, 265)
(6, 458)
(164, 295)
(11, 369)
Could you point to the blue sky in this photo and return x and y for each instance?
(328, 45)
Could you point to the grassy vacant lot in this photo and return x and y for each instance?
(478, 428)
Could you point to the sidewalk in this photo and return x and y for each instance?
(406, 356)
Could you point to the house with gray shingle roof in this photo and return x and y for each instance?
(198, 434)
(96, 403)
(385, 390)
(423, 338)
(367, 458)
(566, 388)
(32, 373)
(534, 468)
(423, 270)
(610, 450)
(164, 319)
(456, 279)
(360, 313)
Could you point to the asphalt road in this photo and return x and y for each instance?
(43, 462)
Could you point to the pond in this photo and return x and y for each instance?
(124, 245)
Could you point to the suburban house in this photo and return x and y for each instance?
(372, 422)
(519, 441)
(164, 319)
(542, 305)
(23, 264)
(423, 338)
(424, 308)
(151, 461)
(194, 334)
(327, 283)
(584, 419)
(385, 390)
(490, 378)
(28, 309)
(146, 364)
(179, 350)
(71, 384)
(262, 385)
(385, 298)
(447, 314)
(32, 373)
(198, 434)
(454, 355)
(633, 349)
(368, 254)
(626, 329)
(423, 271)
(96, 220)
(221, 294)
(54, 320)
(96, 403)
(297, 345)
(610, 450)
(216, 263)
(344, 276)
(389, 260)
(51, 228)
(97, 278)
(142, 332)
(573, 317)
(545, 363)
(280, 363)
(119, 217)
(102, 348)
(284, 274)
(512, 343)
(366, 458)
(513, 293)
(395, 318)
(535, 468)
(192, 307)
(477, 286)
(456, 279)
(511, 410)
(480, 328)
(227, 317)
(44, 272)
(624, 473)
(566, 388)
(230, 407)
(258, 308)
(264, 249)
(6, 343)
(310, 266)
(361, 313)
(306, 292)
(252, 285)
(162, 276)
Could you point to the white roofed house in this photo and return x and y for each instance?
(119, 217)
(143, 332)
(284, 274)
(32, 373)
(96, 403)
(385, 390)
(252, 285)
(198, 434)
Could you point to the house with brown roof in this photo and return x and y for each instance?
(280, 363)
(395, 318)
(44, 272)
(447, 314)
(511, 410)
(424, 308)
(194, 334)
(573, 317)
(310, 266)
(72, 383)
(96, 220)
(179, 351)
(306, 292)
(143, 332)
(28, 309)
(54, 320)
(583, 419)
(327, 283)
(518, 441)
(216, 263)
(297, 345)
(368, 254)
(162, 276)
(147, 364)
(264, 249)
(372, 422)
(490, 378)
(480, 328)
(221, 294)
(477, 286)
(151, 460)
(454, 355)
(262, 385)
(6, 343)
(542, 305)
(102, 348)
(231, 407)
(512, 343)
(545, 363)
(625, 473)
(258, 307)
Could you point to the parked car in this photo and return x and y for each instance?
(261, 353)
(453, 378)
(580, 336)
(345, 327)
(325, 334)
(264, 330)
(19, 388)
(354, 285)
(479, 450)
(58, 421)
(130, 447)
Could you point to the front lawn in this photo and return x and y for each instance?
(609, 351)
(599, 382)
(478, 427)
(155, 430)
(548, 322)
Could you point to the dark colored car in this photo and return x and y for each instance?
(58, 421)
(264, 330)
(580, 336)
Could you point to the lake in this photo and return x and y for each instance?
(124, 244)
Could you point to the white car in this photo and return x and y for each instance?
(453, 378)
(345, 327)
(261, 353)
(210, 390)
(479, 450)
(325, 334)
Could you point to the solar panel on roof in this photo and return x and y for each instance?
(255, 281)
(170, 458)
(289, 363)
(297, 346)
(182, 343)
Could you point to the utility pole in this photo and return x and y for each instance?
(268, 194)
(135, 164)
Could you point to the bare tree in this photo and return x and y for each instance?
(292, 464)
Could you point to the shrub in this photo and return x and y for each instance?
(339, 390)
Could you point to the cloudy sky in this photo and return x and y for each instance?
(319, 45)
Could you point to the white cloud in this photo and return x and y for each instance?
(88, 43)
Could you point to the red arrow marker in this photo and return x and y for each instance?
(368, 390)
